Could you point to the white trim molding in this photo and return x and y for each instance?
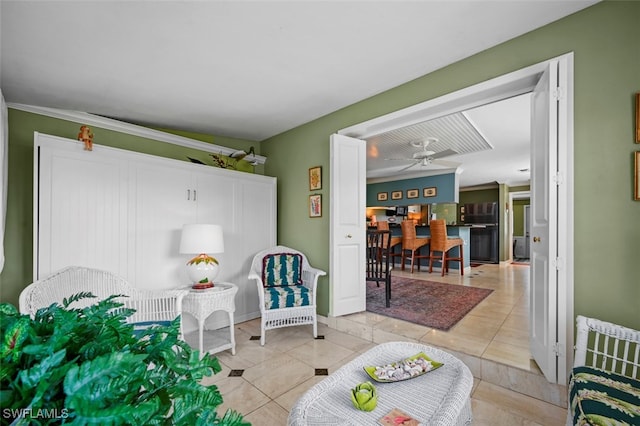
(128, 128)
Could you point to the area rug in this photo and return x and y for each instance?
(427, 303)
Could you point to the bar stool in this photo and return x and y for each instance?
(411, 242)
(395, 240)
(440, 242)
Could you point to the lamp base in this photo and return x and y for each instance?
(202, 286)
(202, 270)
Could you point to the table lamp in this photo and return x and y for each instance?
(202, 239)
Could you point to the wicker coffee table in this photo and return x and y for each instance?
(439, 397)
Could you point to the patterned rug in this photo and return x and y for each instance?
(428, 303)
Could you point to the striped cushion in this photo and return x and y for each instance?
(282, 269)
(286, 296)
(598, 397)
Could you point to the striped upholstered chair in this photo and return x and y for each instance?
(286, 289)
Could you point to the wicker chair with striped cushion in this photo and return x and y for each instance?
(286, 289)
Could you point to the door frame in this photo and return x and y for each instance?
(508, 85)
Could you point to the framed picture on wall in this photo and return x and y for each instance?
(396, 195)
(315, 205)
(432, 191)
(412, 193)
(383, 196)
(636, 177)
(315, 178)
(637, 117)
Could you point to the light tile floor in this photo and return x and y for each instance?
(274, 376)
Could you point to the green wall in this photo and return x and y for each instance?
(18, 240)
(518, 216)
(604, 39)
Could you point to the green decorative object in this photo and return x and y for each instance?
(86, 366)
(364, 396)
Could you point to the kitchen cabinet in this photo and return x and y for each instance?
(123, 212)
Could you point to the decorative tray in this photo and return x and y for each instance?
(408, 368)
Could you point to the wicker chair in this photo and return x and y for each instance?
(383, 225)
(152, 307)
(286, 289)
(440, 242)
(606, 362)
(413, 244)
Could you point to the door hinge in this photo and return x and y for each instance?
(557, 93)
(558, 349)
(559, 263)
(558, 178)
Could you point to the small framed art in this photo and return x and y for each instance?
(396, 195)
(637, 117)
(412, 193)
(432, 191)
(315, 178)
(636, 177)
(383, 196)
(315, 205)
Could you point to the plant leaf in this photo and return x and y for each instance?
(80, 378)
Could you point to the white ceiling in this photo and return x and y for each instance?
(248, 69)
(492, 142)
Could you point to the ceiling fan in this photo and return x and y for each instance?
(426, 157)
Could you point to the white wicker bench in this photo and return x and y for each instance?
(151, 306)
(605, 381)
(437, 398)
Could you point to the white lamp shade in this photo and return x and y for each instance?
(201, 238)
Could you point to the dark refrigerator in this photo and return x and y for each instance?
(485, 226)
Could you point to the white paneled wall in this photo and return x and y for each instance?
(123, 211)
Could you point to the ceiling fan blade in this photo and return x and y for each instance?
(445, 153)
(451, 164)
(409, 166)
(399, 159)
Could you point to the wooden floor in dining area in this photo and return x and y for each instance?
(264, 382)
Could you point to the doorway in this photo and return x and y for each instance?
(515, 249)
(559, 291)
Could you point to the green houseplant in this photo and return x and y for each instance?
(86, 366)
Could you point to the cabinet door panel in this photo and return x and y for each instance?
(82, 211)
(217, 205)
(163, 202)
(258, 215)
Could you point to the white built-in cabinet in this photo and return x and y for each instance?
(123, 211)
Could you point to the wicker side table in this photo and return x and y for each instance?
(201, 304)
(440, 397)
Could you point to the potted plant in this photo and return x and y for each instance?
(86, 366)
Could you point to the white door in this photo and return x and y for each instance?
(544, 192)
(347, 226)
